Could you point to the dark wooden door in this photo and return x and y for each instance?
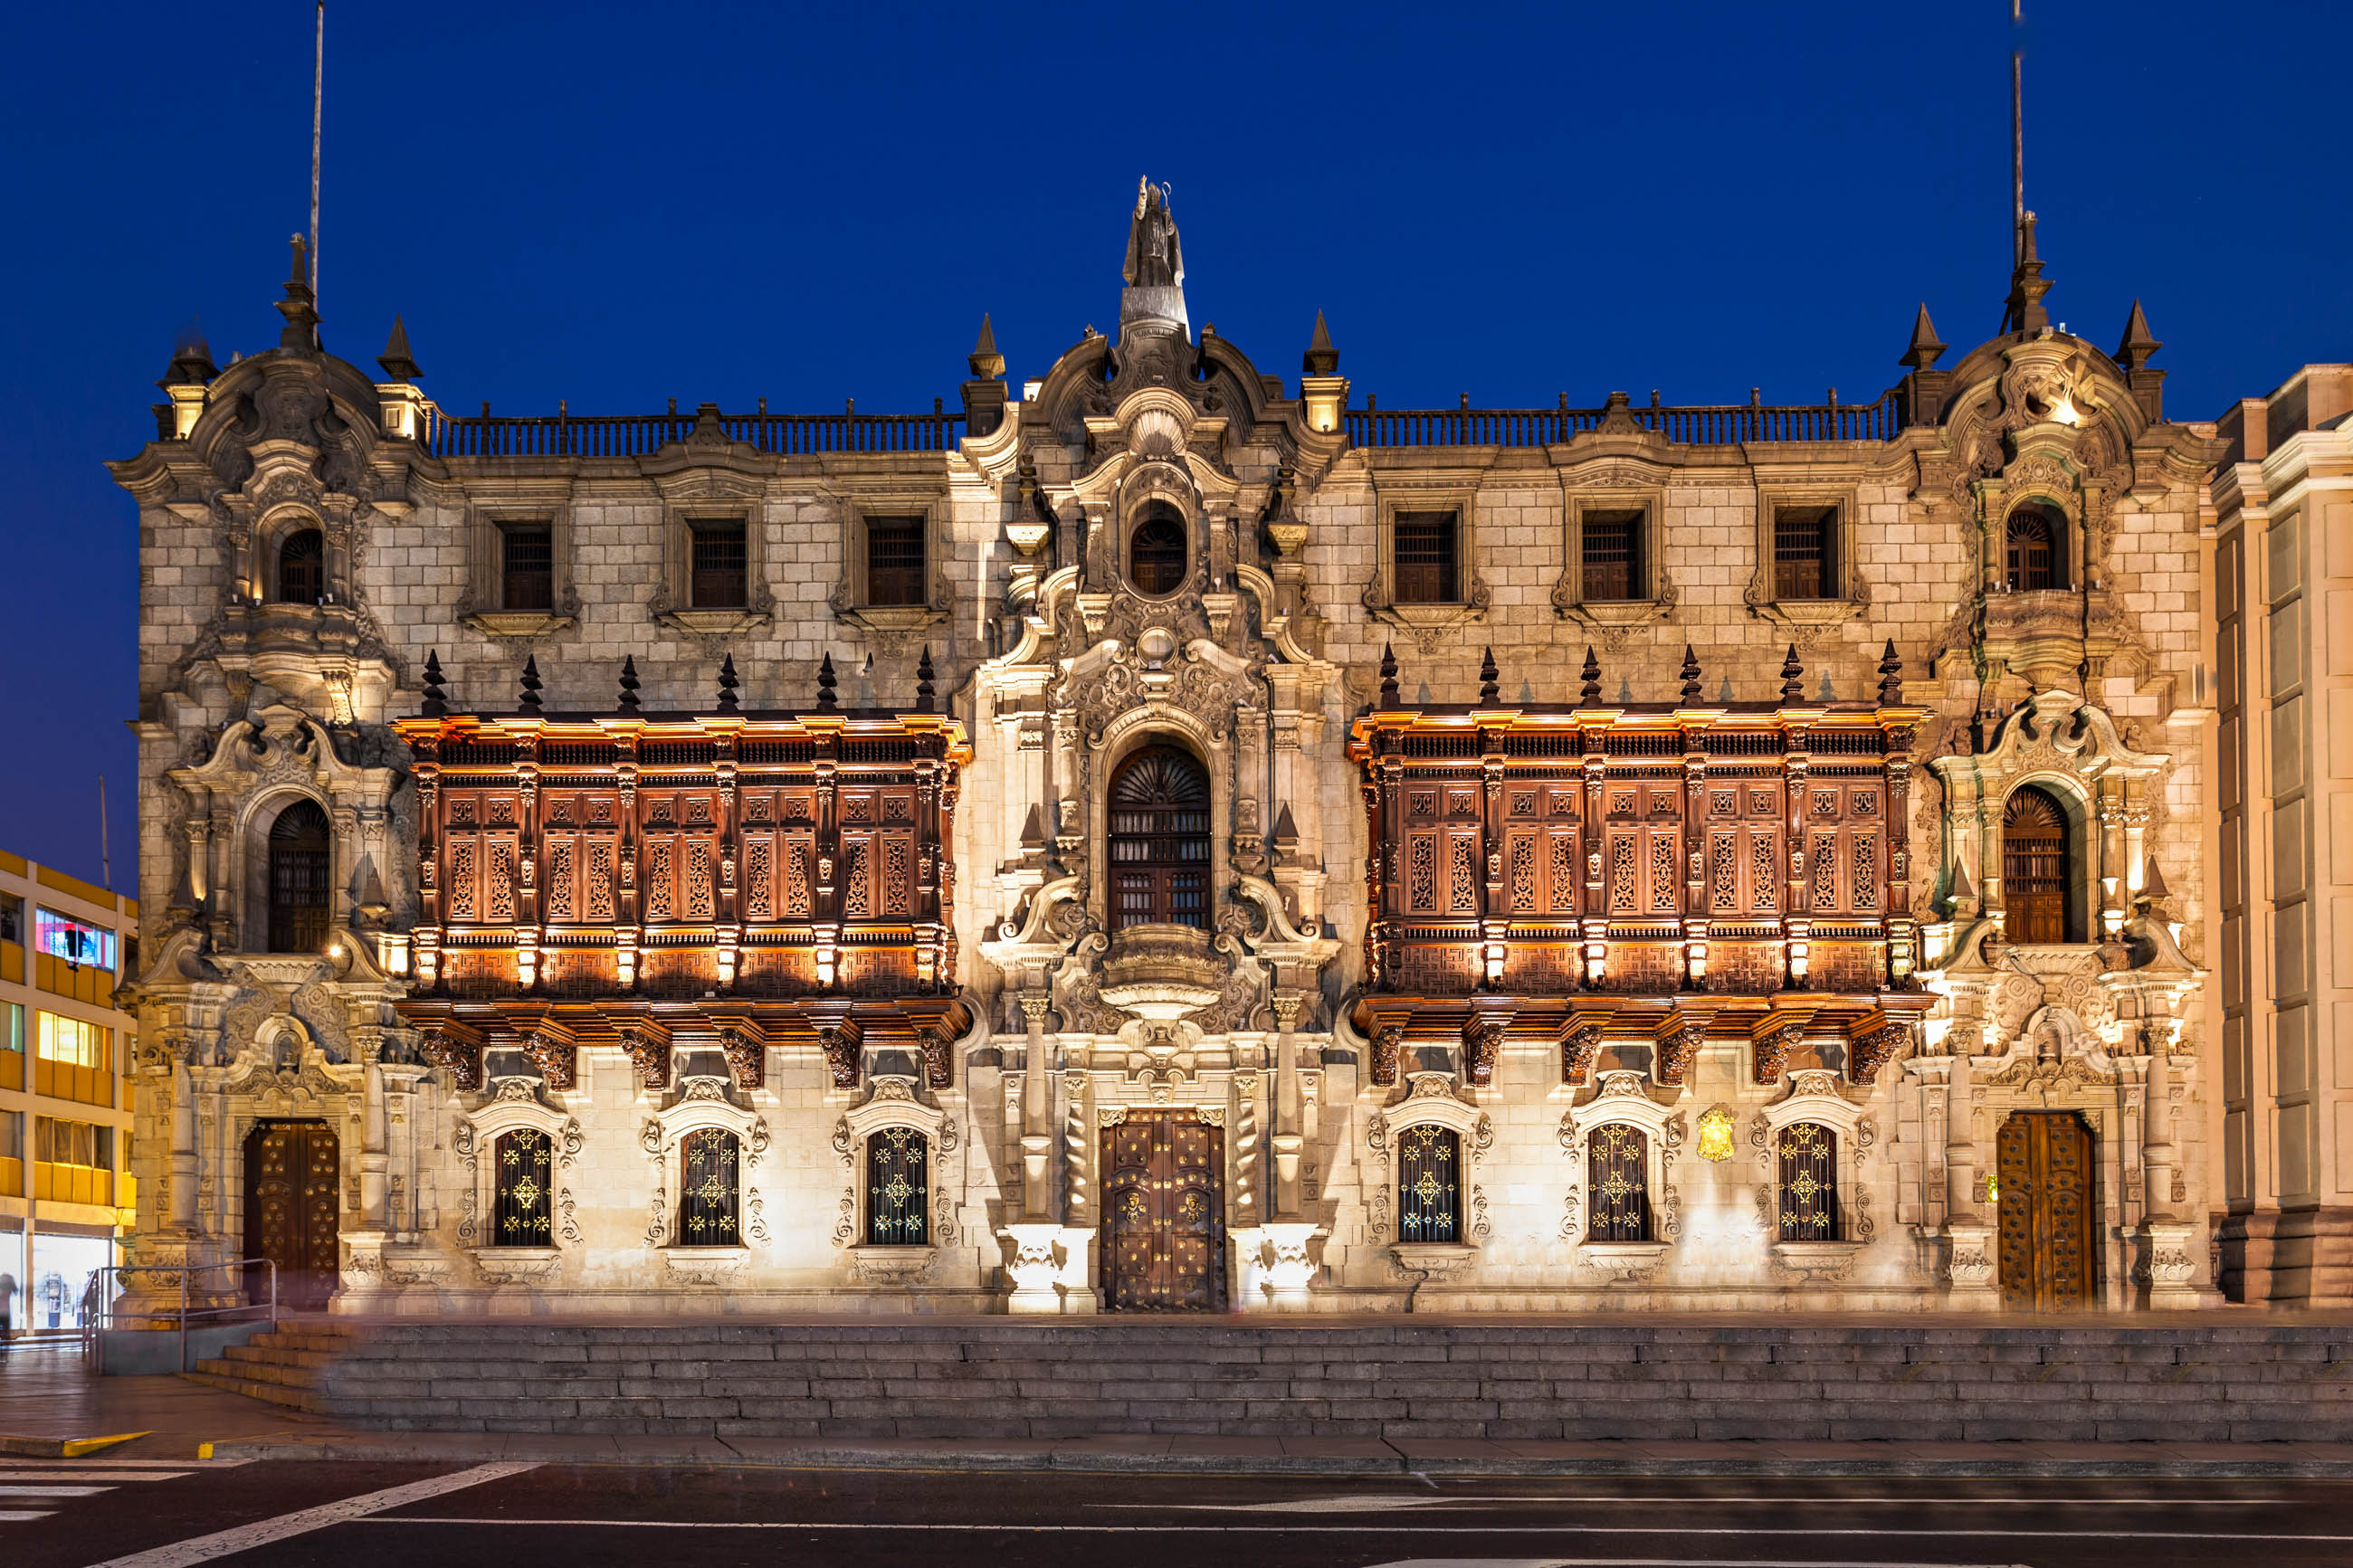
(1164, 1214)
(291, 1175)
(2043, 1177)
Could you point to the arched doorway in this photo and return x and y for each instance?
(2034, 857)
(1160, 840)
(300, 871)
(291, 1178)
(2043, 1195)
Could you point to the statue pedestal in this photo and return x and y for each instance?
(1970, 1268)
(2173, 1267)
(1070, 1280)
(1033, 1269)
(1288, 1269)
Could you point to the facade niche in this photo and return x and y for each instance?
(300, 879)
(302, 567)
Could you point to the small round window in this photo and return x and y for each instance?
(1155, 549)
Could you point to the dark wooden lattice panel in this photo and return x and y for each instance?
(898, 1203)
(710, 1205)
(520, 1213)
(1429, 1190)
(1159, 840)
(1617, 1183)
(1806, 1184)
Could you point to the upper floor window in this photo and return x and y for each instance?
(1156, 550)
(717, 578)
(1430, 1186)
(897, 1211)
(2035, 854)
(527, 566)
(76, 941)
(85, 1143)
(1807, 1182)
(894, 561)
(1425, 547)
(2035, 547)
(12, 917)
(57, 1038)
(1160, 840)
(299, 874)
(302, 567)
(1805, 544)
(1613, 555)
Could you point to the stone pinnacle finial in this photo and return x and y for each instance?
(399, 363)
(437, 701)
(1590, 694)
(1388, 677)
(2152, 880)
(1692, 691)
(2025, 311)
(727, 683)
(1922, 352)
(926, 695)
(192, 359)
(1793, 679)
(1490, 684)
(531, 685)
(824, 685)
(985, 362)
(628, 703)
(1322, 358)
(2139, 344)
(301, 330)
(1891, 677)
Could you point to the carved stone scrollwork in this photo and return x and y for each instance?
(748, 1055)
(1676, 1049)
(1773, 1049)
(840, 1044)
(1386, 1046)
(460, 1059)
(553, 1052)
(1483, 1044)
(648, 1053)
(1577, 1045)
(1875, 1050)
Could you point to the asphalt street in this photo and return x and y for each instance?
(169, 1514)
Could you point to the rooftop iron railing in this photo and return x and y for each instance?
(1697, 425)
(568, 435)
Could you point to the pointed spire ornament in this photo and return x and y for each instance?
(1388, 679)
(1921, 354)
(531, 685)
(985, 362)
(301, 330)
(399, 363)
(1692, 691)
(926, 694)
(2139, 344)
(2025, 311)
(1962, 887)
(1322, 358)
(192, 359)
(1489, 687)
(1589, 695)
(824, 685)
(1891, 677)
(628, 703)
(436, 700)
(727, 683)
(2152, 881)
(1793, 679)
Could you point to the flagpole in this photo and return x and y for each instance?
(2017, 136)
(318, 98)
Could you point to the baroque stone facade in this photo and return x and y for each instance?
(1175, 838)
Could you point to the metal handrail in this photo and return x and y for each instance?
(98, 1303)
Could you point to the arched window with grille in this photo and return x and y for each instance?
(525, 1171)
(898, 1213)
(710, 1205)
(2034, 548)
(1160, 840)
(1430, 1185)
(1617, 1184)
(1805, 1182)
(301, 872)
(2035, 852)
(302, 567)
(1155, 549)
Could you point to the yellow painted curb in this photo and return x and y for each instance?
(62, 1447)
(204, 1450)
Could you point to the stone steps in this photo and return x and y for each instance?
(282, 1366)
(1568, 1381)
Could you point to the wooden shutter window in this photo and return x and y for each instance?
(2034, 546)
(894, 561)
(2035, 868)
(1160, 840)
(302, 567)
(1424, 548)
(1804, 539)
(1612, 544)
(299, 871)
(717, 566)
(1156, 550)
(527, 568)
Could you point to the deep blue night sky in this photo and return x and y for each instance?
(621, 203)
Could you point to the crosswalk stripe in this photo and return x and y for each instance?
(81, 1474)
(17, 1515)
(53, 1491)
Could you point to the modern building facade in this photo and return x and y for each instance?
(1182, 838)
(67, 1100)
(2283, 839)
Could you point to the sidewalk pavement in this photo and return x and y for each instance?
(48, 1393)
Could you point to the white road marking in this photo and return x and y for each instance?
(245, 1537)
(17, 1515)
(1459, 1501)
(1021, 1528)
(81, 1473)
(53, 1491)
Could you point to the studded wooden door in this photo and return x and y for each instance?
(291, 1175)
(1164, 1214)
(2043, 1186)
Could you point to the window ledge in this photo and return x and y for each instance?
(871, 1264)
(1622, 1262)
(1807, 619)
(1815, 1262)
(518, 623)
(1436, 1261)
(1614, 620)
(893, 626)
(713, 623)
(1428, 624)
(704, 1264)
(517, 1265)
